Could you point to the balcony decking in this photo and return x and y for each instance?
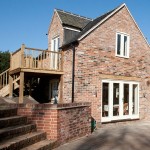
(36, 61)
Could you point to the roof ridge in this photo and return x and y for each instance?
(70, 13)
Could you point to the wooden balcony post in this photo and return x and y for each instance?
(21, 87)
(10, 86)
(11, 65)
(22, 55)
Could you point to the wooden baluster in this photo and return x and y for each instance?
(49, 60)
(32, 54)
(6, 78)
(10, 86)
(11, 64)
(38, 60)
(22, 55)
(3, 80)
(21, 87)
(43, 57)
(25, 59)
(61, 63)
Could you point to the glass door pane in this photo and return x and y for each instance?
(105, 100)
(126, 99)
(116, 97)
(135, 99)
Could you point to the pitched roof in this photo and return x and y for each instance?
(73, 20)
(92, 24)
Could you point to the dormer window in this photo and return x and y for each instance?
(122, 45)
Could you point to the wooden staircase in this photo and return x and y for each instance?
(16, 133)
(4, 83)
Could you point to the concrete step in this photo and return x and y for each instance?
(11, 132)
(23, 141)
(8, 112)
(42, 145)
(12, 121)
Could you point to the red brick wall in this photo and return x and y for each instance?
(95, 58)
(62, 122)
(74, 123)
(55, 29)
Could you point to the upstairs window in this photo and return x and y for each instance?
(55, 44)
(122, 45)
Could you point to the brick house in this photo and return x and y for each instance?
(104, 61)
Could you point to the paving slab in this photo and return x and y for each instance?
(128, 137)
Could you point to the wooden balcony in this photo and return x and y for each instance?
(36, 61)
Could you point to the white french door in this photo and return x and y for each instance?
(54, 55)
(120, 100)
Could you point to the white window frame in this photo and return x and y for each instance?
(120, 117)
(55, 47)
(122, 45)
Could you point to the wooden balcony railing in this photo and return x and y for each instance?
(4, 78)
(32, 58)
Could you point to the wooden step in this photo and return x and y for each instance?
(7, 112)
(23, 141)
(42, 145)
(12, 121)
(11, 132)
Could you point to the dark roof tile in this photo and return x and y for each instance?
(73, 20)
(90, 25)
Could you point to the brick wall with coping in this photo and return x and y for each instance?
(61, 122)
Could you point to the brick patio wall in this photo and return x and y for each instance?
(61, 122)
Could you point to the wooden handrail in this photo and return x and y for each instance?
(33, 58)
(4, 72)
(4, 78)
(41, 50)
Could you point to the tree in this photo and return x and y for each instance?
(4, 60)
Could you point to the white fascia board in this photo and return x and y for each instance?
(138, 27)
(55, 11)
(72, 29)
(58, 15)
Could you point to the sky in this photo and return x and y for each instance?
(27, 21)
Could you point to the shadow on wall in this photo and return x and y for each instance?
(125, 138)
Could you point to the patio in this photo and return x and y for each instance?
(135, 136)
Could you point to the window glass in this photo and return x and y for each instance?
(116, 99)
(55, 42)
(135, 99)
(125, 46)
(118, 43)
(126, 99)
(105, 101)
(122, 45)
